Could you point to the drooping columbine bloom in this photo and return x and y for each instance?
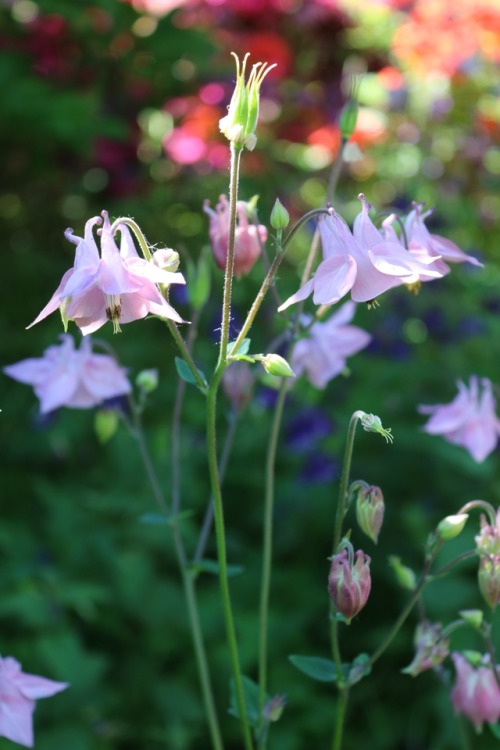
(362, 262)
(18, 693)
(488, 547)
(349, 581)
(432, 648)
(117, 285)
(76, 378)
(322, 355)
(469, 420)
(248, 239)
(476, 693)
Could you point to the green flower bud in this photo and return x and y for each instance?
(166, 259)
(372, 423)
(280, 217)
(147, 380)
(243, 112)
(348, 118)
(473, 617)
(451, 526)
(276, 365)
(369, 508)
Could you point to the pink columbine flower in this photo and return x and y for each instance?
(322, 355)
(362, 262)
(117, 285)
(248, 240)
(18, 692)
(476, 693)
(349, 581)
(65, 376)
(469, 420)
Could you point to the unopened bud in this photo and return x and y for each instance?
(280, 217)
(452, 526)
(348, 119)
(369, 508)
(276, 365)
(147, 380)
(166, 259)
(405, 575)
(349, 582)
(473, 617)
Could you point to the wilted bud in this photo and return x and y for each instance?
(451, 526)
(243, 112)
(280, 217)
(276, 365)
(369, 508)
(237, 383)
(166, 259)
(274, 708)
(147, 380)
(432, 648)
(372, 423)
(248, 239)
(348, 118)
(349, 582)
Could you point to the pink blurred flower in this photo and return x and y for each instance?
(476, 693)
(362, 262)
(118, 285)
(68, 377)
(18, 692)
(322, 355)
(349, 581)
(469, 420)
(249, 238)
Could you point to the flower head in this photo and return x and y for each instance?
(476, 693)
(349, 581)
(363, 262)
(469, 420)
(322, 354)
(18, 693)
(248, 239)
(76, 378)
(488, 547)
(432, 648)
(116, 286)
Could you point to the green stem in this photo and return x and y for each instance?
(137, 231)
(222, 558)
(340, 718)
(268, 542)
(236, 152)
(344, 480)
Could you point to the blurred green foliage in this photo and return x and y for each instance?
(88, 593)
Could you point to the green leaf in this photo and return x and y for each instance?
(212, 566)
(184, 372)
(250, 698)
(199, 280)
(242, 349)
(323, 670)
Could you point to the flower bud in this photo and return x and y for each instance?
(489, 579)
(476, 693)
(349, 582)
(451, 526)
(248, 239)
(348, 119)
(166, 259)
(432, 648)
(280, 217)
(276, 365)
(473, 617)
(372, 423)
(243, 112)
(369, 508)
(237, 382)
(147, 380)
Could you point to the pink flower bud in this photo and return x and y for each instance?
(248, 237)
(349, 582)
(476, 693)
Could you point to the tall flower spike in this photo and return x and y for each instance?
(243, 112)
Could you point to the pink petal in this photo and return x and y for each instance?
(32, 686)
(103, 378)
(302, 293)
(334, 277)
(16, 720)
(58, 389)
(127, 247)
(30, 371)
(449, 251)
(55, 300)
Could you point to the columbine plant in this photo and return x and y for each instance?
(111, 283)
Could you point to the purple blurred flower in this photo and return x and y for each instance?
(469, 420)
(322, 355)
(476, 693)
(118, 285)
(68, 377)
(362, 262)
(18, 692)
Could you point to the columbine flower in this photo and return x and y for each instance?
(432, 648)
(476, 693)
(322, 355)
(248, 239)
(349, 581)
(68, 377)
(362, 262)
(118, 285)
(488, 547)
(469, 420)
(18, 692)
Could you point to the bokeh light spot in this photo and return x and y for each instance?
(95, 180)
(24, 11)
(145, 26)
(415, 331)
